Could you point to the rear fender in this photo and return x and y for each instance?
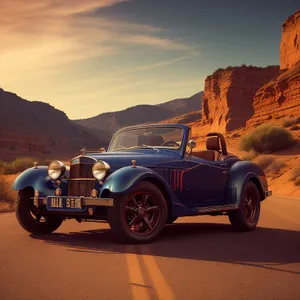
(239, 174)
(123, 180)
(39, 180)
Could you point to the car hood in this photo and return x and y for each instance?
(143, 157)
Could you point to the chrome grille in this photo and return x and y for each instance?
(81, 180)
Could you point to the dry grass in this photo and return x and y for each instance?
(19, 165)
(7, 195)
(295, 176)
(270, 163)
(267, 138)
(249, 155)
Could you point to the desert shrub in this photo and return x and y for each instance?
(270, 163)
(20, 164)
(297, 120)
(297, 181)
(264, 161)
(295, 127)
(295, 176)
(6, 195)
(276, 165)
(249, 155)
(267, 138)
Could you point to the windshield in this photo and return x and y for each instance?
(150, 137)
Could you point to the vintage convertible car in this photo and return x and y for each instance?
(149, 177)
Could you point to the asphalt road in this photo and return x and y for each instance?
(196, 258)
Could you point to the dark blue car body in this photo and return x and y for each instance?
(171, 183)
(191, 185)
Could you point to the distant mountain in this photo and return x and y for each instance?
(143, 114)
(184, 105)
(35, 128)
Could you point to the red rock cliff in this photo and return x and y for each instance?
(290, 42)
(228, 96)
(280, 98)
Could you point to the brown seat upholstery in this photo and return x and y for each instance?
(213, 152)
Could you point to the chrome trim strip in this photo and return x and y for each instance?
(268, 193)
(217, 208)
(85, 201)
(98, 201)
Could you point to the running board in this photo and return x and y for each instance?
(217, 208)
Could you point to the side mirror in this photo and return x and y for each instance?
(192, 144)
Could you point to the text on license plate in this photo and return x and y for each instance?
(59, 202)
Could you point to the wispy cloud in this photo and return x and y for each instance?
(51, 33)
(155, 65)
(43, 41)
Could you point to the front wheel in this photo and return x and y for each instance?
(246, 218)
(29, 217)
(140, 216)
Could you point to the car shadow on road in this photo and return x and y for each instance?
(264, 248)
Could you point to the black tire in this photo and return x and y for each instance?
(139, 216)
(246, 218)
(27, 217)
(171, 219)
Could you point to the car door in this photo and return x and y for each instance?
(203, 184)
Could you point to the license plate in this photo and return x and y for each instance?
(64, 203)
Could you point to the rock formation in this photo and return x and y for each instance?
(290, 42)
(228, 96)
(280, 98)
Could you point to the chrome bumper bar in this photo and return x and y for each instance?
(268, 193)
(86, 201)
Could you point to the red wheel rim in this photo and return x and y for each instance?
(249, 206)
(141, 213)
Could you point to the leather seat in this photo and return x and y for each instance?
(213, 151)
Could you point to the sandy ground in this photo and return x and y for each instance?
(195, 258)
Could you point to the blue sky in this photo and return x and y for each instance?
(89, 57)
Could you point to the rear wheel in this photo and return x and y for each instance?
(140, 216)
(246, 218)
(30, 218)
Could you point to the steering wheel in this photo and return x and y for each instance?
(170, 143)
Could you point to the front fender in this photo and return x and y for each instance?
(239, 174)
(38, 179)
(122, 180)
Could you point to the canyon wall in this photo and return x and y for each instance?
(228, 96)
(290, 42)
(280, 98)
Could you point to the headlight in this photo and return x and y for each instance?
(100, 169)
(56, 169)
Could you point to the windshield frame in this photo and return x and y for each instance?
(185, 131)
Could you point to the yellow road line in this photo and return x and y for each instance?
(161, 286)
(139, 290)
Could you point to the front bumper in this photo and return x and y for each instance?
(268, 193)
(85, 201)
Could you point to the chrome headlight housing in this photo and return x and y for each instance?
(100, 169)
(56, 169)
